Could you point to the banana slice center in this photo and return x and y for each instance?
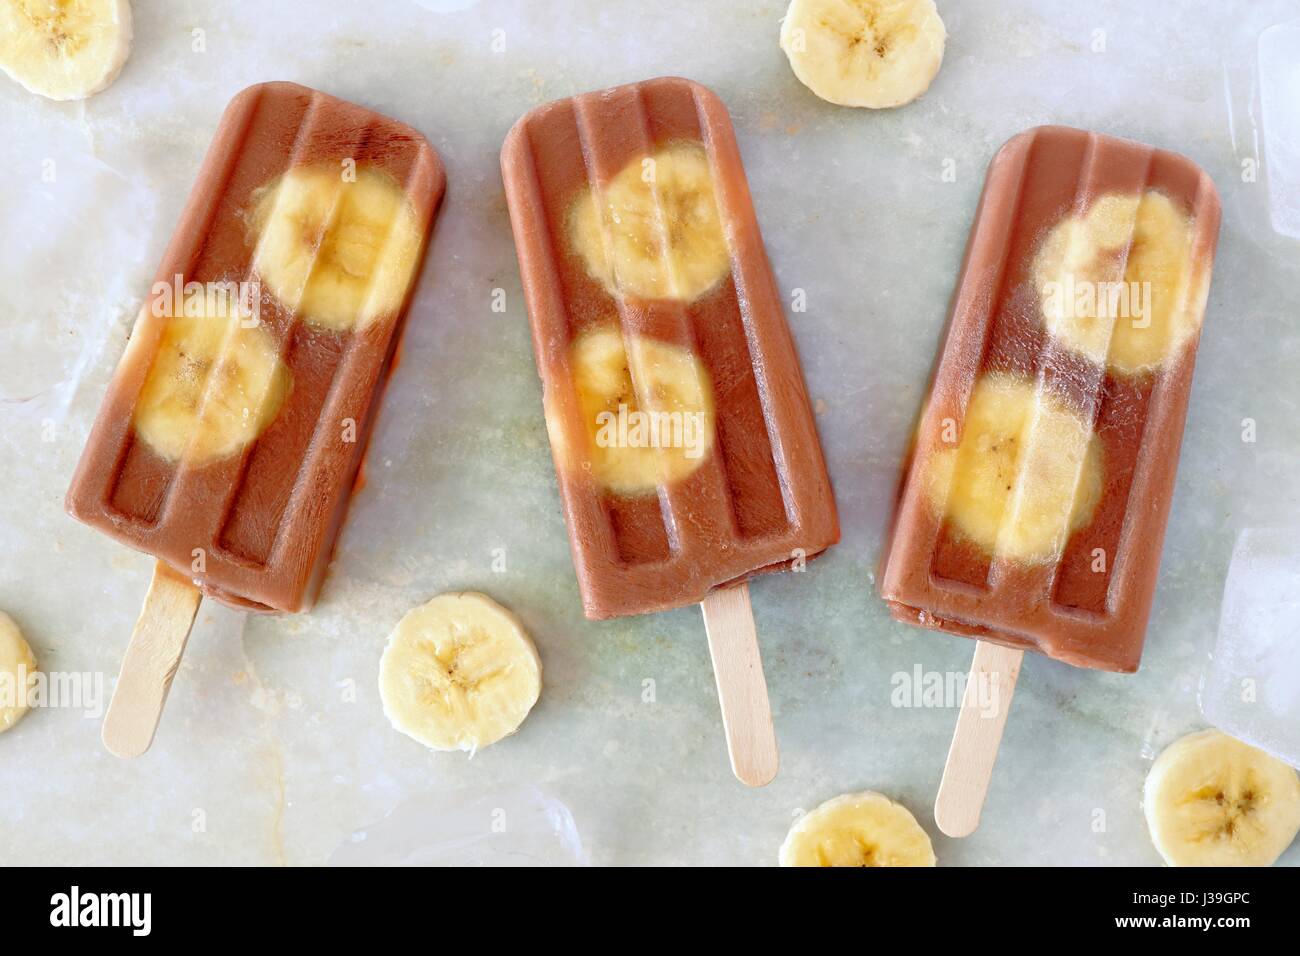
(645, 412)
(1025, 473)
(339, 250)
(1212, 800)
(858, 830)
(1118, 284)
(654, 231)
(214, 385)
(459, 673)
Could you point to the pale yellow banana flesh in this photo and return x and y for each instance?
(17, 673)
(1118, 283)
(64, 49)
(339, 246)
(665, 394)
(869, 53)
(1211, 800)
(858, 829)
(215, 383)
(459, 673)
(1025, 472)
(653, 231)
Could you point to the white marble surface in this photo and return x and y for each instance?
(265, 758)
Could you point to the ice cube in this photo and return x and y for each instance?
(1251, 687)
(1279, 87)
(510, 827)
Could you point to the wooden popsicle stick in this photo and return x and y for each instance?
(150, 663)
(742, 691)
(975, 741)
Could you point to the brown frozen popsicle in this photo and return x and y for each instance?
(683, 439)
(234, 427)
(1034, 501)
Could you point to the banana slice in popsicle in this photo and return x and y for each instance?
(1211, 800)
(872, 53)
(858, 829)
(1026, 472)
(654, 230)
(459, 673)
(1118, 283)
(64, 49)
(340, 251)
(214, 385)
(646, 408)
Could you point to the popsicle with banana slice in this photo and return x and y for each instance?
(680, 427)
(233, 431)
(1034, 498)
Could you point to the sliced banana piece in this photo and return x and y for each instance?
(858, 829)
(17, 673)
(64, 49)
(872, 53)
(1211, 800)
(1118, 284)
(646, 408)
(459, 673)
(654, 230)
(338, 249)
(1025, 473)
(214, 385)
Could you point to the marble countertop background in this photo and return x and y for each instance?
(274, 748)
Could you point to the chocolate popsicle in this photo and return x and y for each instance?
(226, 445)
(235, 425)
(651, 300)
(1034, 501)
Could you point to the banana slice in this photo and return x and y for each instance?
(1093, 273)
(663, 395)
(17, 673)
(872, 53)
(1026, 473)
(214, 385)
(340, 252)
(654, 230)
(459, 673)
(64, 49)
(1211, 800)
(858, 829)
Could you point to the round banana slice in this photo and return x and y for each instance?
(654, 230)
(1211, 800)
(340, 251)
(872, 53)
(1026, 473)
(1132, 312)
(858, 829)
(17, 673)
(214, 385)
(64, 49)
(647, 408)
(459, 673)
